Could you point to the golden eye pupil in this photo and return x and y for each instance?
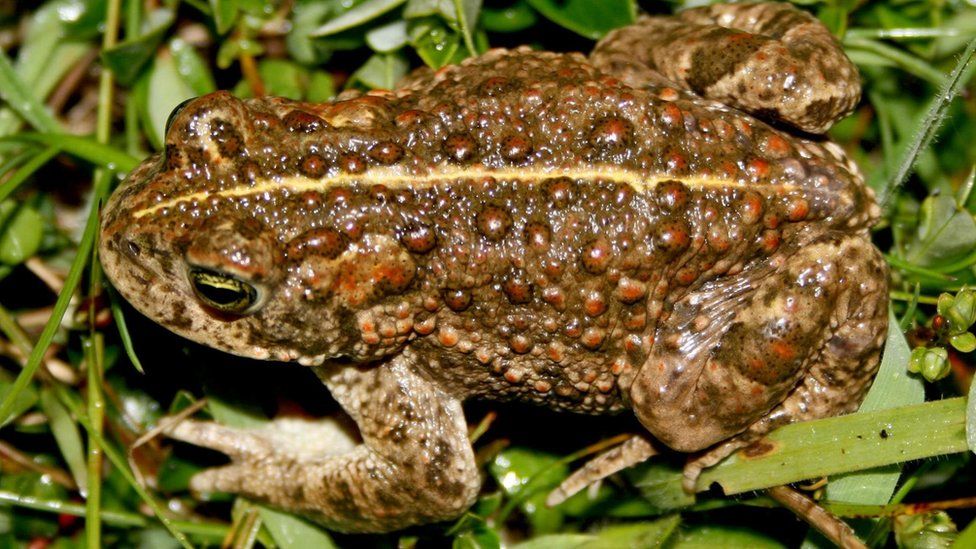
(223, 292)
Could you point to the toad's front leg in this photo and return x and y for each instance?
(415, 464)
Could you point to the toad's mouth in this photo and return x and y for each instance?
(396, 178)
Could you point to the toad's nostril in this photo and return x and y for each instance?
(134, 249)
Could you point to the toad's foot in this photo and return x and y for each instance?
(415, 464)
(634, 450)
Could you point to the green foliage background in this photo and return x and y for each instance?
(86, 87)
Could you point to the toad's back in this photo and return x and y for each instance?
(525, 217)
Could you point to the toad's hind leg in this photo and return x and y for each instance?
(769, 59)
(801, 342)
(415, 464)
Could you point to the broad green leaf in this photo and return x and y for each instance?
(513, 18)
(389, 37)
(655, 479)
(967, 538)
(225, 14)
(66, 434)
(435, 42)
(21, 230)
(724, 536)
(481, 537)
(193, 68)
(165, 89)
(381, 71)
(307, 17)
(944, 233)
(367, 11)
(842, 444)
(971, 418)
(321, 87)
(893, 386)
(283, 78)
(562, 541)
(81, 19)
(589, 19)
(128, 58)
(527, 476)
(463, 21)
(291, 532)
(641, 534)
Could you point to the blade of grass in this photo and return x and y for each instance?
(77, 408)
(842, 444)
(119, 519)
(67, 437)
(931, 122)
(25, 171)
(96, 413)
(123, 329)
(465, 25)
(19, 97)
(94, 348)
(906, 61)
(105, 156)
(54, 322)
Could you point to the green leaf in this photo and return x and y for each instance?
(128, 58)
(367, 11)
(283, 78)
(527, 476)
(964, 342)
(389, 37)
(25, 400)
(44, 57)
(589, 19)
(381, 71)
(21, 230)
(435, 43)
(66, 434)
(225, 13)
(724, 536)
(321, 87)
(825, 447)
(945, 232)
(86, 148)
(463, 20)
(193, 68)
(513, 18)
(22, 99)
(291, 532)
(481, 537)
(165, 88)
(642, 534)
(892, 387)
(562, 541)
(967, 538)
(971, 418)
(81, 19)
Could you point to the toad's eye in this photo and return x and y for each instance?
(176, 112)
(224, 292)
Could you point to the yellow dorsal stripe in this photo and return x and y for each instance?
(397, 179)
